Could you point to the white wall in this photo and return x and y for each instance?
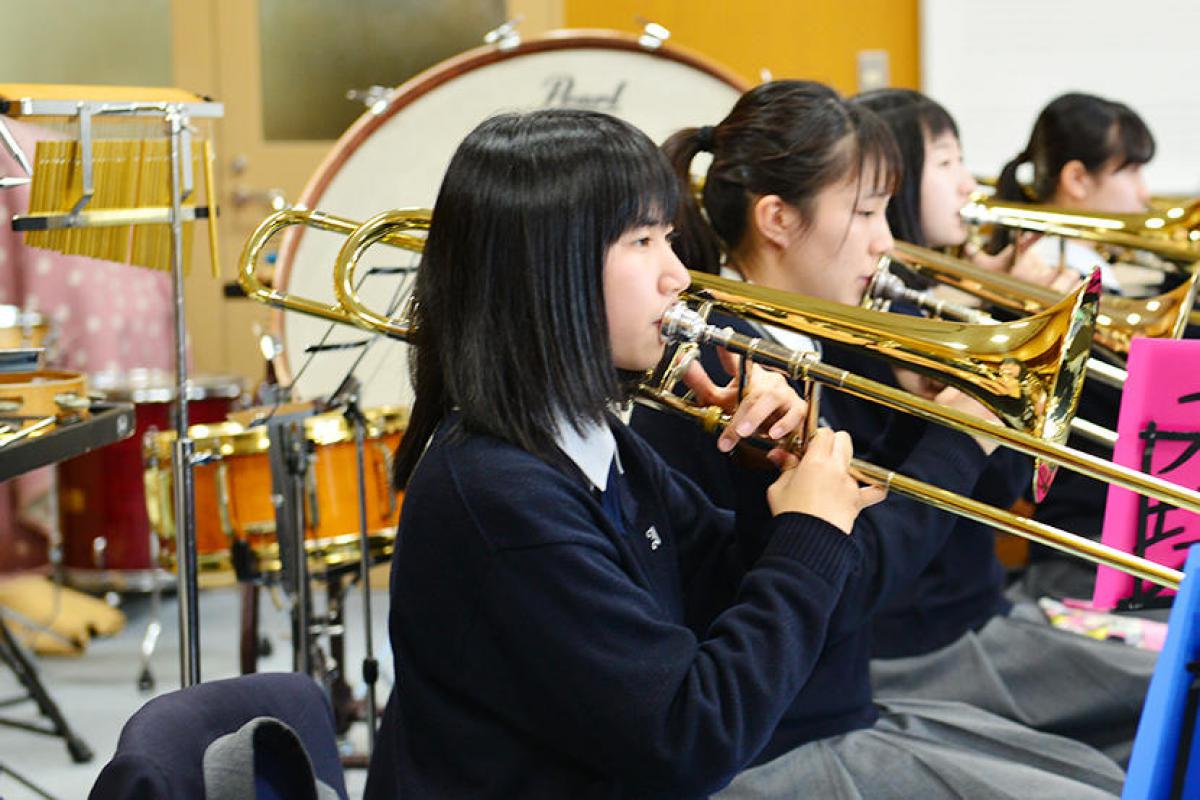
(995, 64)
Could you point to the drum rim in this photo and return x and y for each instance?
(435, 76)
(158, 386)
(229, 439)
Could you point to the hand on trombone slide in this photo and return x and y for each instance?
(923, 386)
(819, 482)
(1021, 261)
(757, 400)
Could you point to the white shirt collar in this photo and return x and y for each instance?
(593, 450)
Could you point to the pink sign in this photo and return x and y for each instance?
(1159, 433)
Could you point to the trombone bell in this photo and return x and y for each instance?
(1028, 372)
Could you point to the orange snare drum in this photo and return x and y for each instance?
(233, 491)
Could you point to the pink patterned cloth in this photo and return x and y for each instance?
(108, 318)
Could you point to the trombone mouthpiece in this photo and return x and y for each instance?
(682, 324)
(974, 213)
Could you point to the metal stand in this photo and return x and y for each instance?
(21, 779)
(290, 457)
(370, 666)
(14, 656)
(177, 116)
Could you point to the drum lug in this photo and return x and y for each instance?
(653, 35)
(72, 402)
(11, 405)
(505, 36)
(99, 552)
(375, 98)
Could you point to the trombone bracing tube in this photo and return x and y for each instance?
(714, 420)
(682, 324)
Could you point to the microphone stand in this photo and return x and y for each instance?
(347, 396)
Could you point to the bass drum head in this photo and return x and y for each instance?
(396, 159)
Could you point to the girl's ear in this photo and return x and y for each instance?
(1074, 181)
(775, 220)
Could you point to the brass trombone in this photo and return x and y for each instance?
(1119, 318)
(1118, 321)
(393, 228)
(1172, 233)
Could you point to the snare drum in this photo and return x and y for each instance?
(396, 158)
(233, 491)
(102, 503)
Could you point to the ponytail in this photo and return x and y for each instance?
(696, 244)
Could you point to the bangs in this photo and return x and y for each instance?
(644, 193)
(936, 121)
(1132, 142)
(876, 153)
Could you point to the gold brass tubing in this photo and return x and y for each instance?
(1119, 318)
(714, 420)
(280, 220)
(381, 227)
(1170, 238)
(805, 366)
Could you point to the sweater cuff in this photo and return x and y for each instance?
(820, 546)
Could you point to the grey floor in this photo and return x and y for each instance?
(98, 691)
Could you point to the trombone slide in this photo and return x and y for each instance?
(714, 420)
(681, 324)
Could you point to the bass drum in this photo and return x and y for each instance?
(395, 159)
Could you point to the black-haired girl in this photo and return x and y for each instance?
(547, 561)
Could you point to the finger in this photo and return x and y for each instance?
(696, 378)
(843, 447)
(1027, 240)
(870, 495)
(791, 419)
(731, 362)
(783, 459)
(820, 444)
(746, 419)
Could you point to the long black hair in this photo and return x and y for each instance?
(1076, 126)
(510, 327)
(913, 119)
(787, 138)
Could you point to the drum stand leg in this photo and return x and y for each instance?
(21, 779)
(248, 643)
(290, 455)
(370, 667)
(13, 655)
(145, 681)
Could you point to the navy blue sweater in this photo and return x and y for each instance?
(899, 538)
(542, 651)
(962, 587)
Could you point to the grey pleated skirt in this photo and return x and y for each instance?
(1023, 669)
(934, 750)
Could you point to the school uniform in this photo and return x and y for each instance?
(959, 636)
(834, 740)
(539, 625)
